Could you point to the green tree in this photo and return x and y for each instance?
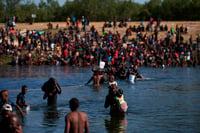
(144, 14)
(11, 6)
(25, 11)
(154, 8)
(2, 16)
(42, 12)
(101, 10)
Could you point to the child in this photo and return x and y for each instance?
(112, 80)
(122, 103)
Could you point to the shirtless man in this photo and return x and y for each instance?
(76, 121)
(96, 77)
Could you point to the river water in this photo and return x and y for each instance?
(167, 101)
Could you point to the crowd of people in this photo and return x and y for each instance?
(76, 121)
(86, 46)
(11, 114)
(78, 47)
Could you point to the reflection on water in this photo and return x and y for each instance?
(30, 71)
(96, 88)
(116, 124)
(51, 116)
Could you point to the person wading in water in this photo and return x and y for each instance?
(51, 89)
(76, 121)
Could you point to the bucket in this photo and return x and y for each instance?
(27, 109)
(102, 64)
(132, 78)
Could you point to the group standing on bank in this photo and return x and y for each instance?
(77, 46)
